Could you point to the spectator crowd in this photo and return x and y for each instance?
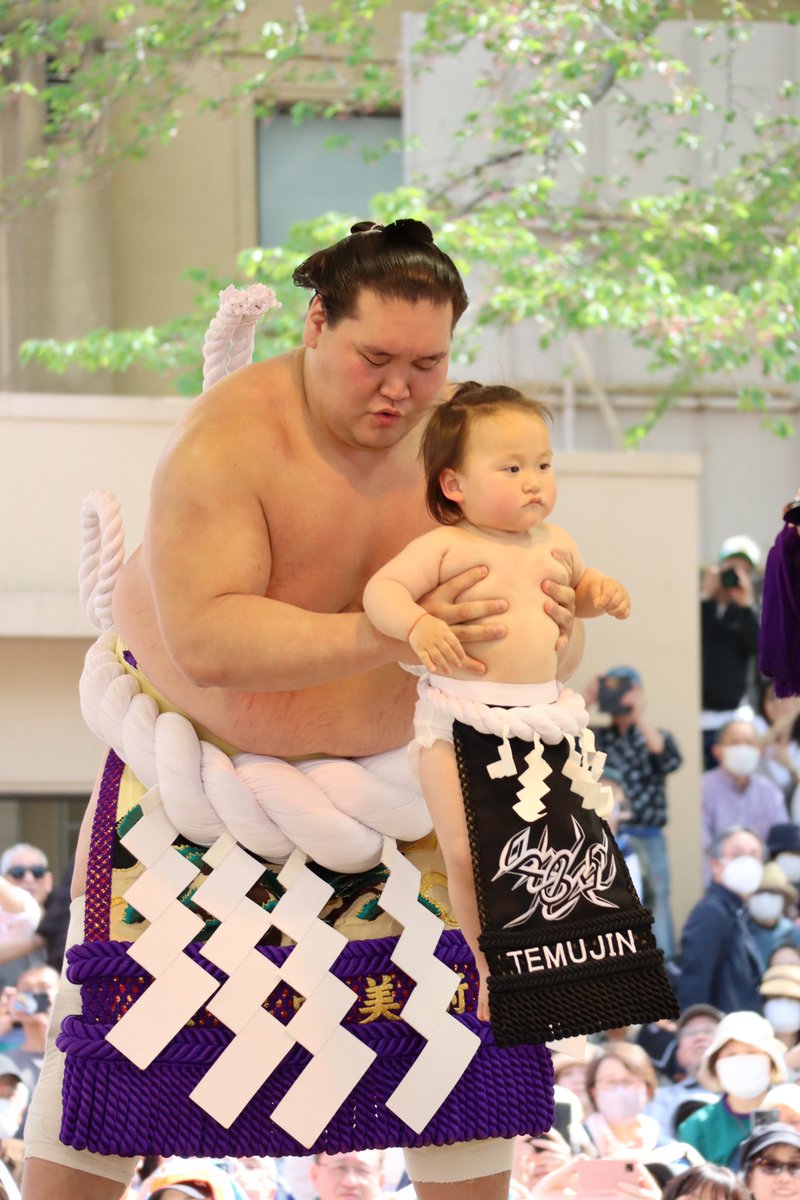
(706, 1107)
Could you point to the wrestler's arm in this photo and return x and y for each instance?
(210, 562)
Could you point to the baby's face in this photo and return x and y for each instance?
(506, 481)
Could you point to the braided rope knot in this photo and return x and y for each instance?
(102, 555)
(229, 339)
(336, 810)
(552, 722)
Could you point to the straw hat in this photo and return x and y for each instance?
(783, 980)
(773, 879)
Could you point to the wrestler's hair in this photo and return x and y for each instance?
(398, 261)
(444, 442)
(632, 1057)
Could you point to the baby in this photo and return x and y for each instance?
(491, 485)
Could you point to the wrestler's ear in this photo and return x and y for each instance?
(315, 322)
(450, 483)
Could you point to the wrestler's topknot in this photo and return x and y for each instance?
(399, 261)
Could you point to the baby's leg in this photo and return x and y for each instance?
(438, 775)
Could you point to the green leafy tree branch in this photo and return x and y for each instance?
(702, 271)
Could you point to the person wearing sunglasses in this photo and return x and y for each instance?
(27, 867)
(25, 884)
(770, 1163)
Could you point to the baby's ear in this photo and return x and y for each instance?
(450, 484)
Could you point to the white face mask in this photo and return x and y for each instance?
(740, 760)
(783, 1014)
(765, 907)
(742, 875)
(744, 1076)
(790, 865)
(9, 1117)
(621, 1103)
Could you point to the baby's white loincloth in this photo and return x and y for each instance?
(547, 708)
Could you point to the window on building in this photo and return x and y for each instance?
(300, 177)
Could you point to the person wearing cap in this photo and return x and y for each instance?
(695, 1032)
(732, 793)
(642, 755)
(783, 845)
(784, 1100)
(742, 1062)
(766, 912)
(770, 1163)
(720, 964)
(780, 989)
(192, 1178)
(728, 636)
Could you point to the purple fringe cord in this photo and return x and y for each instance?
(111, 1107)
(779, 633)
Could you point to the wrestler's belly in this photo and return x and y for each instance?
(364, 714)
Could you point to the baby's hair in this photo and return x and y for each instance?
(444, 441)
(399, 261)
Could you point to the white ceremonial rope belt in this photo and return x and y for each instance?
(337, 811)
(564, 718)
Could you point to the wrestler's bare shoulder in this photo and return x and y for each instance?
(264, 400)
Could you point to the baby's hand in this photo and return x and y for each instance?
(435, 645)
(610, 596)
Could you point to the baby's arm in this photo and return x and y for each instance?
(595, 593)
(390, 603)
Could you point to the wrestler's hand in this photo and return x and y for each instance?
(436, 645)
(467, 618)
(560, 602)
(609, 596)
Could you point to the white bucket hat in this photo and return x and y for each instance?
(755, 1032)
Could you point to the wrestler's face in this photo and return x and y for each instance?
(353, 1176)
(506, 481)
(372, 377)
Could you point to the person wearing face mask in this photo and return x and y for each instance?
(783, 844)
(621, 1082)
(720, 964)
(743, 1062)
(780, 988)
(769, 925)
(732, 794)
